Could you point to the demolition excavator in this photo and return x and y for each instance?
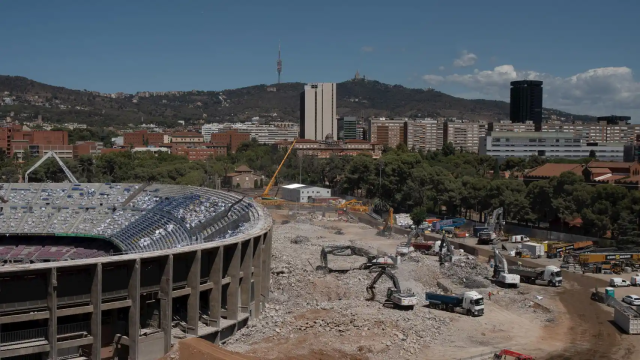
(395, 297)
(373, 261)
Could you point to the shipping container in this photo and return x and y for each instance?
(628, 319)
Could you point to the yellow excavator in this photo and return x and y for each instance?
(265, 198)
(387, 229)
(354, 205)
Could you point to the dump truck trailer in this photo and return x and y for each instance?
(470, 303)
(549, 275)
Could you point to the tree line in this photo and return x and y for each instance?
(448, 182)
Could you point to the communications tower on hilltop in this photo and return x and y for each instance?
(279, 63)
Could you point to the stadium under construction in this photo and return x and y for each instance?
(126, 270)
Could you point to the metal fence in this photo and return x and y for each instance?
(42, 333)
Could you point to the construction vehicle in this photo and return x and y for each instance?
(549, 275)
(373, 261)
(493, 228)
(536, 250)
(505, 354)
(265, 195)
(439, 225)
(354, 205)
(395, 297)
(445, 251)
(471, 302)
(68, 173)
(387, 229)
(501, 271)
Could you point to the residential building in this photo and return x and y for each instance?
(303, 193)
(347, 128)
(607, 129)
(22, 147)
(551, 145)
(508, 125)
(328, 148)
(142, 138)
(318, 111)
(231, 138)
(423, 134)
(264, 134)
(243, 178)
(92, 148)
(464, 134)
(201, 153)
(189, 138)
(526, 101)
(389, 132)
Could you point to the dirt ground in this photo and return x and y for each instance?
(533, 319)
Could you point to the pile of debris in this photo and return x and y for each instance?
(468, 272)
(332, 307)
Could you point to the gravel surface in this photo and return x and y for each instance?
(332, 310)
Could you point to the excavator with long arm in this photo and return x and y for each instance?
(501, 271)
(373, 261)
(395, 297)
(445, 253)
(265, 194)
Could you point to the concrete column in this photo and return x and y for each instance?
(166, 301)
(193, 282)
(257, 276)
(245, 284)
(52, 304)
(215, 276)
(266, 269)
(134, 310)
(96, 315)
(233, 296)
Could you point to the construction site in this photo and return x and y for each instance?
(471, 302)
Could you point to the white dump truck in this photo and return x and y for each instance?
(549, 275)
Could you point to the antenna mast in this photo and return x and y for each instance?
(279, 63)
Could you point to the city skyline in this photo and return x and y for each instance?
(202, 45)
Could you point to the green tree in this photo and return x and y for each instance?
(448, 149)
(418, 215)
(592, 154)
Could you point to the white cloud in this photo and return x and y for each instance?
(466, 59)
(433, 79)
(441, 68)
(367, 48)
(609, 90)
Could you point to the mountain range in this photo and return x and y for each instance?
(27, 99)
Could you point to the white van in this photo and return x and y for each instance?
(518, 238)
(617, 282)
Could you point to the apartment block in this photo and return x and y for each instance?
(423, 135)
(144, 138)
(187, 138)
(389, 132)
(232, 138)
(318, 111)
(264, 134)
(201, 154)
(508, 125)
(87, 148)
(464, 134)
(596, 132)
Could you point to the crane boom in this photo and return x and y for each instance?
(265, 194)
(44, 158)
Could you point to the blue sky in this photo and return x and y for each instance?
(586, 51)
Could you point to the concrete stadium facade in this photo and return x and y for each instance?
(136, 305)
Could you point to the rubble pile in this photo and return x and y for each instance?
(300, 239)
(304, 300)
(468, 272)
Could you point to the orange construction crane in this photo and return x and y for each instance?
(265, 194)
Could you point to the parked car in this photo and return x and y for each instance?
(618, 282)
(632, 300)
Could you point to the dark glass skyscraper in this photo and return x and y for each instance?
(526, 101)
